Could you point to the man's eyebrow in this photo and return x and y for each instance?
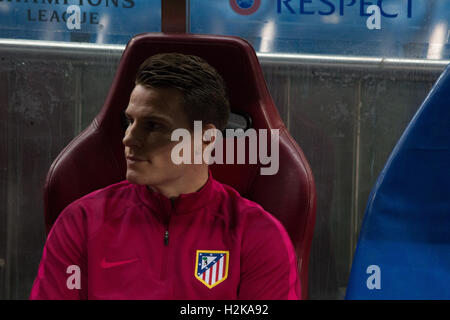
(151, 117)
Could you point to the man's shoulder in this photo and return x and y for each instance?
(119, 189)
(256, 224)
(244, 208)
(98, 206)
(115, 196)
(231, 196)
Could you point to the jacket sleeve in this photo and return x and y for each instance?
(62, 273)
(268, 261)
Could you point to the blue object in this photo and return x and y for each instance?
(404, 245)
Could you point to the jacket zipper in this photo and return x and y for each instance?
(166, 232)
(165, 259)
(166, 236)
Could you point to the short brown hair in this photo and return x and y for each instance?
(203, 88)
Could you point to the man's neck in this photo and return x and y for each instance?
(188, 183)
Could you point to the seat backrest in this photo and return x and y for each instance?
(404, 242)
(95, 158)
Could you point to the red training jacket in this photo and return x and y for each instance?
(127, 242)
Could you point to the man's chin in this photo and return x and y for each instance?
(136, 178)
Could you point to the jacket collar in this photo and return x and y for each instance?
(184, 203)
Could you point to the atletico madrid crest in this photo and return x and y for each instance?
(211, 267)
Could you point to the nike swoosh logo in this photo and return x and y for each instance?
(105, 264)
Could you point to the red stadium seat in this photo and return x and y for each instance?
(95, 158)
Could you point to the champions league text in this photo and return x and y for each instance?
(46, 11)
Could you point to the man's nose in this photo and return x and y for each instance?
(132, 138)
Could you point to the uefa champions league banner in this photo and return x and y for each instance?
(391, 28)
(95, 21)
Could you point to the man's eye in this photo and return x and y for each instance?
(151, 126)
(154, 126)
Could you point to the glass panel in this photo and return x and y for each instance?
(45, 101)
(347, 121)
(95, 21)
(407, 28)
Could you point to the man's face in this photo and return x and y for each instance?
(153, 114)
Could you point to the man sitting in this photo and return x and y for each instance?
(169, 231)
